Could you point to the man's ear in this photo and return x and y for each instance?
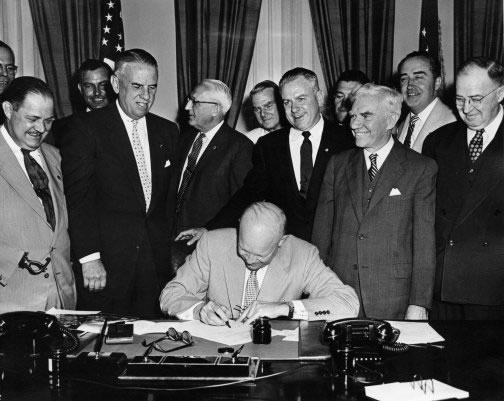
(282, 240)
(7, 109)
(79, 87)
(392, 120)
(437, 84)
(320, 97)
(500, 94)
(115, 83)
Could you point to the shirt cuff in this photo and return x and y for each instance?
(188, 314)
(90, 258)
(300, 312)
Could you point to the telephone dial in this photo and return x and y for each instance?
(33, 334)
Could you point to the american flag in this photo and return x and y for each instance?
(112, 32)
(429, 28)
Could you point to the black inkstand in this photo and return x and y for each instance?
(261, 333)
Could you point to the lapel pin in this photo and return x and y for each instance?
(215, 147)
(326, 149)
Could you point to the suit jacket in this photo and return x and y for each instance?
(219, 173)
(25, 229)
(106, 203)
(216, 272)
(439, 116)
(385, 251)
(272, 179)
(469, 218)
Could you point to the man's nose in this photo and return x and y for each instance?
(467, 106)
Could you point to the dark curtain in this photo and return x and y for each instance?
(355, 34)
(68, 33)
(215, 39)
(478, 30)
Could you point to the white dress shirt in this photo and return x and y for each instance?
(296, 139)
(422, 118)
(381, 153)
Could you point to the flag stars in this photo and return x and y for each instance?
(110, 4)
(424, 32)
(120, 36)
(104, 42)
(109, 17)
(118, 48)
(106, 29)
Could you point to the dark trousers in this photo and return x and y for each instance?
(450, 311)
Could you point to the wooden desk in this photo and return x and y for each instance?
(473, 360)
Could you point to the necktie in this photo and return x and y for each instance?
(306, 164)
(40, 183)
(142, 166)
(373, 170)
(476, 145)
(411, 128)
(252, 289)
(191, 165)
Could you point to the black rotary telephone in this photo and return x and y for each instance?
(33, 334)
(363, 334)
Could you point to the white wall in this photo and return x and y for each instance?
(150, 25)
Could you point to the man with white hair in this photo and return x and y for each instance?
(374, 224)
(259, 271)
(212, 158)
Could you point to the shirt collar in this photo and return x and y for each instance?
(13, 145)
(383, 152)
(211, 133)
(127, 120)
(425, 112)
(315, 131)
(491, 129)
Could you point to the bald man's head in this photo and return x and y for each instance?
(261, 233)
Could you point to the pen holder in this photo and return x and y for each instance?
(261, 333)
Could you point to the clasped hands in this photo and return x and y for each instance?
(217, 315)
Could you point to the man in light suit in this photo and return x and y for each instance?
(374, 223)
(35, 272)
(259, 271)
(470, 198)
(420, 79)
(117, 168)
(288, 167)
(212, 160)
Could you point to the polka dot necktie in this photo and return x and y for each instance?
(142, 166)
(476, 145)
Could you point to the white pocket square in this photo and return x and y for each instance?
(167, 164)
(395, 192)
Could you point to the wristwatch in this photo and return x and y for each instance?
(291, 310)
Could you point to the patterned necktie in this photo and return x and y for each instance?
(411, 128)
(142, 166)
(252, 289)
(373, 170)
(191, 165)
(476, 145)
(306, 164)
(40, 183)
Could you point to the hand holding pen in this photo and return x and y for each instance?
(214, 314)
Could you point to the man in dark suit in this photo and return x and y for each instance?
(35, 272)
(117, 173)
(420, 79)
(93, 83)
(8, 69)
(470, 198)
(289, 164)
(212, 161)
(375, 216)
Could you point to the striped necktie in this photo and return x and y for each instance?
(411, 128)
(373, 170)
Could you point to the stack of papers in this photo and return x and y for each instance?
(406, 391)
(416, 332)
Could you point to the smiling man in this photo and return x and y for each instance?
(470, 197)
(374, 224)
(268, 110)
(289, 165)
(117, 167)
(257, 271)
(35, 272)
(420, 80)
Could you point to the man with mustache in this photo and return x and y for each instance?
(374, 224)
(420, 80)
(35, 272)
(117, 167)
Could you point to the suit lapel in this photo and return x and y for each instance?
(490, 174)
(215, 147)
(156, 148)
(276, 275)
(235, 277)
(355, 184)
(52, 168)
(17, 179)
(119, 143)
(403, 128)
(392, 169)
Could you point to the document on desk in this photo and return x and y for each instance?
(54, 311)
(434, 390)
(416, 332)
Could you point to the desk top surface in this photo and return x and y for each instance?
(472, 360)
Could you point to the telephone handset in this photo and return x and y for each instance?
(363, 334)
(34, 333)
